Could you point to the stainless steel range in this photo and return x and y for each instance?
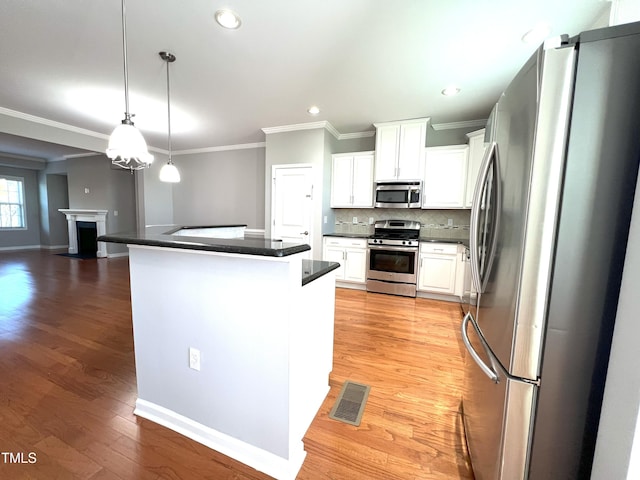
(392, 258)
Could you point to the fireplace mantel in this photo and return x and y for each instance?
(82, 215)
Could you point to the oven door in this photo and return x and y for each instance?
(392, 264)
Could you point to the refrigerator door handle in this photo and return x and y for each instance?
(488, 371)
(475, 215)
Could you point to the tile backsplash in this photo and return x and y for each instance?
(434, 223)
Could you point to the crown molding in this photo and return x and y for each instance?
(302, 126)
(51, 123)
(222, 148)
(454, 125)
(426, 120)
(267, 130)
(27, 158)
(313, 125)
(75, 155)
(349, 136)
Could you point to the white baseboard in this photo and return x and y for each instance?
(117, 255)
(438, 296)
(54, 247)
(20, 247)
(352, 286)
(263, 461)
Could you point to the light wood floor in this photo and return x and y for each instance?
(67, 385)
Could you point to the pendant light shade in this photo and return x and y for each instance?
(169, 172)
(127, 148)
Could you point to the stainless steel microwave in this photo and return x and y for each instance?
(398, 194)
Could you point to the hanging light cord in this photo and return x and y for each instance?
(127, 115)
(169, 58)
(169, 107)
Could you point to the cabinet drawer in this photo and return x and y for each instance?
(443, 248)
(346, 242)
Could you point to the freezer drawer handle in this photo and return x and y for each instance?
(467, 343)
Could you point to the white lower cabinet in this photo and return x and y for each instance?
(351, 254)
(438, 267)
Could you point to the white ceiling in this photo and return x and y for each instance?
(360, 61)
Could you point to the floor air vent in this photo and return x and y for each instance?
(350, 403)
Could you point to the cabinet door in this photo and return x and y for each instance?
(341, 181)
(335, 254)
(411, 153)
(355, 265)
(387, 146)
(476, 152)
(362, 195)
(437, 273)
(445, 177)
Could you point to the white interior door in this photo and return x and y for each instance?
(292, 200)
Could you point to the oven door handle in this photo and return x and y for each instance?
(394, 249)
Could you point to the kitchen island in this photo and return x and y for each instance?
(233, 342)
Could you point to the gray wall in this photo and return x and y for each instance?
(56, 233)
(365, 144)
(110, 188)
(54, 194)
(155, 200)
(224, 187)
(29, 237)
(454, 136)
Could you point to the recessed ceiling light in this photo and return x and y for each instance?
(313, 110)
(228, 19)
(538, 33)
(450, 91)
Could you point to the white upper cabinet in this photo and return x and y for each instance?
(400, 150)
(387, 148)
(352, 180)
(445, 177)
(476, 152)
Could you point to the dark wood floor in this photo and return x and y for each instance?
(67, 385)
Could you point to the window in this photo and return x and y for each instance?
(12, 202)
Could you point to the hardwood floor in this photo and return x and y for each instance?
(67, 385)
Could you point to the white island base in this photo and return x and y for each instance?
(265, 344)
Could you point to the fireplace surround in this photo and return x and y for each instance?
(75, 215)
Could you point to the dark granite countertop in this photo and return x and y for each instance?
(460, 241)
(265, 247)
(313, 269)
(193, 227)
(348, 235)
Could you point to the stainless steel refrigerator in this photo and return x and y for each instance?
(549, 228)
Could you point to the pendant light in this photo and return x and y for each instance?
(127, 148)
(169, 172)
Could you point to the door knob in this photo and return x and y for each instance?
(306, 232)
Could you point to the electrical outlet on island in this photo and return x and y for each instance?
(194, 358)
